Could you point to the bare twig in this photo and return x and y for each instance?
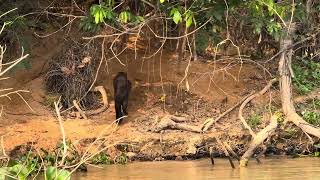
(57, 108)
(225, 152)
(12, 65)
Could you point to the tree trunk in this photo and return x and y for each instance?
(286, 73)
(195, 55)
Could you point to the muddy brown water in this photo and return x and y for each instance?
(271, 168)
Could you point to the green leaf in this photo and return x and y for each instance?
(96, 18)
(50, 173)
(20, 171)
(177, 17)
(162, 1)
(64, 175)
(189, 18)
(125, 17)
(101, 15)
(53, 173)
(173, 10)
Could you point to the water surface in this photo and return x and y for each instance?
(271, 168)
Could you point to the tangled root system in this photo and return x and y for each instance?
(71, 74)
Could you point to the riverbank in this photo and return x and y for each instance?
(209, 90)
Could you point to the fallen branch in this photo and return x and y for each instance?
(168, 122)
(156, 84)
(258, 139)
(82, 113)
(264, 90)
(105, 101)
(209, 122)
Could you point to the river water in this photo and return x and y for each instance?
(271, 168)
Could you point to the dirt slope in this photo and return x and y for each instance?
(210, 94)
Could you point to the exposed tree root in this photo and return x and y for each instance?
(258, 139)
(301, 123)
(264, 90)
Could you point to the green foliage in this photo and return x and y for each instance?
(254, 120)
(189, 18)
(101, 13)
(125, 17)
(87, 24)
(98, 15)
(19, 171)
(317, 153)
(311, 117)
(101, 158)
(137, 19)
(265, 15)
(105, 13)
(307, 75)
(122, 159)
(53, 173)
(29, 165)
(316, 103)
(176, 15)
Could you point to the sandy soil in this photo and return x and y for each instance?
(209, 95)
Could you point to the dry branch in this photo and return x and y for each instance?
(264, 90)
(82, 113)
(225, 152)
(208, 123)
(3, 154)
(168, 122)
(231, 150)
(105, 101)
(258, 139)
(57, 108)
